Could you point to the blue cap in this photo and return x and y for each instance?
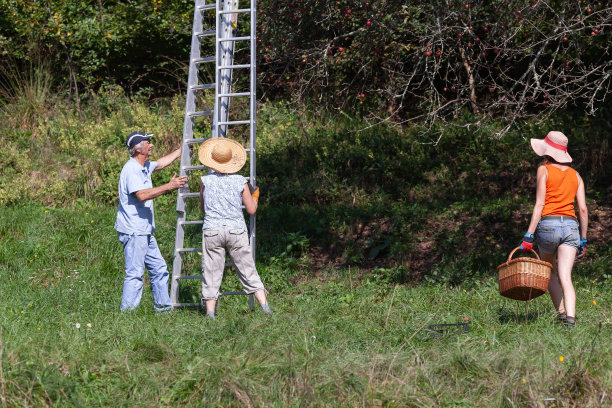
(136, 137)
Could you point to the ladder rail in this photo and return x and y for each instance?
(181, 199)
(253, 133)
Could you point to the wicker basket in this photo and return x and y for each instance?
(523, 278)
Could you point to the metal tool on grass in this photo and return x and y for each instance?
(442, 329)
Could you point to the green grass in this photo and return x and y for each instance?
(344, 337)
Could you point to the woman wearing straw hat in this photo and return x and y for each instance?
(222, 194)
(558, 235)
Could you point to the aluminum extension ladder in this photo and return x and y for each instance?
(226, 14)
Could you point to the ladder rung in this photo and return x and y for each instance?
(192, 141)
(235, 11)
(201, 113)
(189, 195)
(202, 86)
(224, 95)
(206, 33)
(234, 39)
(207, 7)
(235, 66)
(235, 122)
(191, 222)
(190, 277)
(194, 167)
(203, 60)
(189, 250)
(199, 304)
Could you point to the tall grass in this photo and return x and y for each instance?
(346, 337)
(26, 93)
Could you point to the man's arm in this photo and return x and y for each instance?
(167, 159)
(151, 193)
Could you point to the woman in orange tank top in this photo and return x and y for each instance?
(560, 238)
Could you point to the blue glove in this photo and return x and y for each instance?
(582, 248)
(527, 242)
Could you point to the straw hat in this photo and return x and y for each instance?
(223, 155)
(553, 145)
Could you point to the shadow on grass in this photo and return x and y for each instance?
(519, 315)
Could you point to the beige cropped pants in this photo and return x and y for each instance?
(215, 241)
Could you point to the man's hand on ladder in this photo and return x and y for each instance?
(177, 182)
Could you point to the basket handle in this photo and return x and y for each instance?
(517, 248)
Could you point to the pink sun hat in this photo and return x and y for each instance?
(553, 145)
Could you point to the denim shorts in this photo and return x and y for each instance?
(560, 230)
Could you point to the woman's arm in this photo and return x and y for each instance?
(583, 212)
(249, 202)
(540, 198)
(202, 196)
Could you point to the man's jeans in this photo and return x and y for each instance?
(142, 251)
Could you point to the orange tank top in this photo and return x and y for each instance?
(561, 187)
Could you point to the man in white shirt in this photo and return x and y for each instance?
(135, 223)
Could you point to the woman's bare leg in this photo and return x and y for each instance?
(565, 262)
(554, 287)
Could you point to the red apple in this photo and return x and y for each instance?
(467, 6)
(459, 35)
(368, 23)
(428, 53)
(564, 79)
(445, 89)
(438, 53)
(340, 49)
(565, 39)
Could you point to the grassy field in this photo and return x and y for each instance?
(345, 337)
